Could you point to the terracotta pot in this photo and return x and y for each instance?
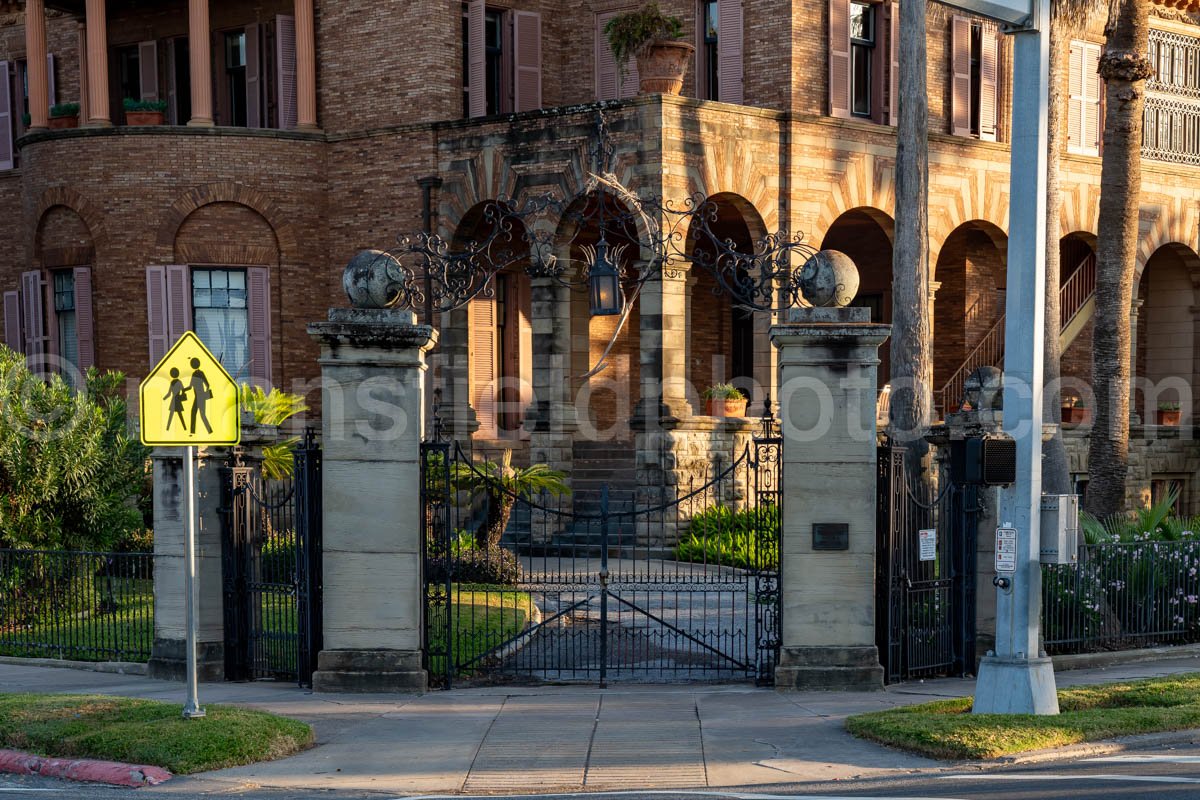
(1167, 417)
(1074, 416)
(714, 407)
(662, 64)
(143, 118)
(60, 123)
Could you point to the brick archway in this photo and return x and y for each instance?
(230, 193)
(64, 196)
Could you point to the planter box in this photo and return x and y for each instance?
(1168, 417)
(661, 66)
(1075, 416)
(725, 408)
(61, 123)
(143, 118)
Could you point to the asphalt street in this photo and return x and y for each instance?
(1152, 774)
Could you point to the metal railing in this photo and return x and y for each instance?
(76, 605)
(1121, 596)
(1171, 129)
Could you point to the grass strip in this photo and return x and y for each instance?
(484, 618)
(146, 732)
(946, 728)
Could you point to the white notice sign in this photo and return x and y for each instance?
(1006, 550)
(928, 544)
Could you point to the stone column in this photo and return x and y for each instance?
(97, 64)
(200, 63)
(35, 64)
(663, 336)
(551, 418)
(306, 67)
(170, 623)
(373, 378)
(1135, 417)
(828, 362)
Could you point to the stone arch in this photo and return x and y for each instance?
(1172, 223)
(729, 168)
(1166, 353)
(226, 233)
(866, 183)
(229, 192)
(1080, 209)
(964, 197)
(63, 238)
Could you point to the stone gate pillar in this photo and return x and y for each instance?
(828, 360)
(372, 377)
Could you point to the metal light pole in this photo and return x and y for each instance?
(1017, 678)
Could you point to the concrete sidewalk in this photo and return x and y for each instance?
(558, 737)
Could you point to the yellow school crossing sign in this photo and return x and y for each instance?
(189, 399)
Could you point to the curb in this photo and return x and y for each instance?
(111, 772)
(1116, 658)
(1076, 751)
(107, 667)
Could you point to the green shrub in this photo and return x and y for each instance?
(274, 408)
(629, 31)
(64, 110)
(131, 104)
(747, 538)
(70, 469)
(474, 565)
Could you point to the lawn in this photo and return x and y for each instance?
(146, 732)
(484, 618)
(947, 729)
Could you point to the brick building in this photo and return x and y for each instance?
(296, 132)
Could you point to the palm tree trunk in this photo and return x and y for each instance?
(1125, 67)
(1056, 475)
(911, 341)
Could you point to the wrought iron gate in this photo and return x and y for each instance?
(658, 583)
(271, 565)
(925, 575)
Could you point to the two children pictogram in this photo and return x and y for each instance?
(177, 395)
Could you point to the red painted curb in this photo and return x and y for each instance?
(82, 769)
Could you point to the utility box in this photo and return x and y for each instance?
(1060, 529)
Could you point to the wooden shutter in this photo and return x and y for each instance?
(156, 312)
(894, 65)
(285, 69)
(254, 70)
(989, 77)
(839, 58)
(148, 69)
(6, 118)
(1075, 99)
(258, 302)
(51, 85)
(14, 339)
(52, 346)
(34, 314)
(730, 49)
(527, 50)
(1092, 85)
(179, 302)
(960, 67)
(85, 326)
(606, 66)
(172, 90)
(476, 58)
(483, 362)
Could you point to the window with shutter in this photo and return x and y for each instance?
(960, 86)
(1092, 88)
(156, 312)
(84, 318)
(179, 302)
(730, 51)
(34, 317)
(1083, 103)
(894, 65)
(989, 79)
(484, 362)
(6, 116)
(527, 61)
(476, 58)
(254, 82)
(839, 58)
(14, 338)
(285, 69)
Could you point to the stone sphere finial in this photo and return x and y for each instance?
(369, 279)
(829, 278)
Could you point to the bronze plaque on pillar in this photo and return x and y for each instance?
(830, 536)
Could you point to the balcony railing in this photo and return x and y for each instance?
(1171, 130)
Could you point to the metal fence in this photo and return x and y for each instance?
(1121, 596)
(75, 605)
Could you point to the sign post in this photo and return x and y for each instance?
(188, 399)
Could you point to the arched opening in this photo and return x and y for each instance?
(1166, 328)
(968, 314)
(865, 234)
(605, 354)
(1077, 304)
(499, 325)
(65, 251)
(721, 342)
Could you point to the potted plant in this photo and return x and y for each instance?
(653, 38)
(724, 400)
(1168, 413)
(64, 115)
(1074, 411)
(144, 112)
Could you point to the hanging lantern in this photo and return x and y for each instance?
(604, 282)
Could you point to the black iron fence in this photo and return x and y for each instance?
(1123, 595)
(78, 606)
